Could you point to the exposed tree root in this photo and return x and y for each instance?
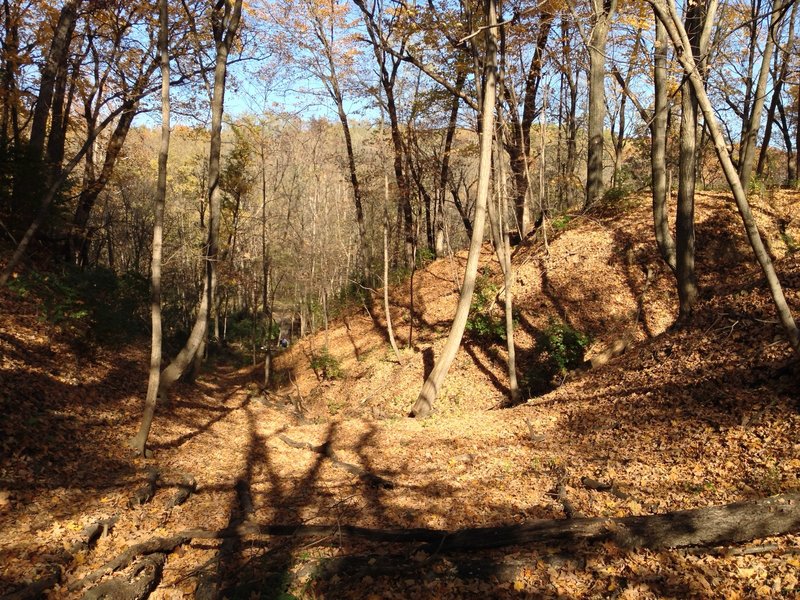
(37, 588)
(186, 488)
(144, 494)
(143, 579)
(712, 526)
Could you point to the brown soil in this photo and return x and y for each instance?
(687, 417)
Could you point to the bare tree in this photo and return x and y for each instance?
(139, 442)
(430, 389)
(668, 14)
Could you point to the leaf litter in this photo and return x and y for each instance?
(687, 417)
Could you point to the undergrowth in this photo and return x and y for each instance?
(326, 366)
(482, 322)
(94, 304)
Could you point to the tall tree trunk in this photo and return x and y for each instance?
(225, 29)
(79, 239)
(331, 82)
(498, 210)
(518, 144)
(658, 151)
(780, 74)
(139, 442)
(687, 174)
(444, 171)
(603, 12)
(386, 307)
(9, 120)
(32, 177)
(749, 140)
(668, 14)
(430, 389)
(56, 59)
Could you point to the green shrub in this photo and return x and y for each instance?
(560, 223)
(481, 322)
(326, 366)
(791, 244)
(425, 256)
(614, 195)
(564, 346)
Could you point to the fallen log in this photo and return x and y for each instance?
(712, 526)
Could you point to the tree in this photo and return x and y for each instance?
(668, 14)
(388, 67)
(140, 440)
(225, 19)
(430, 389)
(602, 15)
(752, 123)
(699, 18)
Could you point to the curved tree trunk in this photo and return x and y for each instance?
(140, 440)
(669, 16)
(226, 26)
(498, 211)
(433, 383)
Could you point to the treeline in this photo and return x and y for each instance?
(436, 114)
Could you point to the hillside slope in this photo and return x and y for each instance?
(685, 418)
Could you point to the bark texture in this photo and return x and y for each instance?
(433, 383)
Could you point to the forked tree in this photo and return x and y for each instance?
(225, 19)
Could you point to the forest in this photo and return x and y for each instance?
(391, 299)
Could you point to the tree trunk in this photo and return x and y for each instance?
(444, 171)
(687, 176)
(79, 236)
(747, 151)
(669, 16)
(56, 59)
(781, 73)
(603, 12)
(139, 442)
(658, 151)
(226, 26)
(386, 307)
(498, 210)
(430, 389)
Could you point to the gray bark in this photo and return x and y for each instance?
(603, 12)
(139, 442)
(748, 143)
(430, 389)
(658, 152)
(669, 16)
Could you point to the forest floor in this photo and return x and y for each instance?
(700, 415)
